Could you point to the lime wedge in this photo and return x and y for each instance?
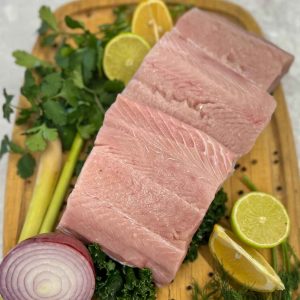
(123, 56)
(245, 264)
(260, 220)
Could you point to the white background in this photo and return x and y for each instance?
(19, 21)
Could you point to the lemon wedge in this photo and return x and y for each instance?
(151, 20)
(245, 264)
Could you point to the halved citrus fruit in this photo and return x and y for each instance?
(123, 56)
(260, 220)
(151, 20)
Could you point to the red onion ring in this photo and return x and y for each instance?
(50, 266)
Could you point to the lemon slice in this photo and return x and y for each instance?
(151, 20)
(123, 56)
(245, 264)
(260, 220)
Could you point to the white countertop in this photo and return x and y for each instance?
(19, 21)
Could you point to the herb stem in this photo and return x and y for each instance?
(285, 254)
(248, 183)
(274, 259)
(62, 186)
(97, 100)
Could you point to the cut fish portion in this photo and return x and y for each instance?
(254, 58)
(120, 236)
(149, 203)
(192, 87)
(94, 211)
(123, 200)
(171, 153)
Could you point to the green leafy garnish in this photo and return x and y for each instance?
(214, 213)
(28, 61)
(74, 24)
(26, 165)
(121, 23)
(118, 282)
(55, 111)
(69, 96)
(6, 108)
(9, 146)
(38, 137)
(48, 17)
(221, 287)
(51, 85)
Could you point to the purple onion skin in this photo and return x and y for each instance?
(51, 238)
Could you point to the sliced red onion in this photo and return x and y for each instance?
(49, 266)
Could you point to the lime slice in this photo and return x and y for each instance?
(123, 56)
(245, 264)
(260, 220)
(151, 20)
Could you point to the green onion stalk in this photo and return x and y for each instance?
(52, 214)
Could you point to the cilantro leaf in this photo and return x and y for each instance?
(30, 89)
(24, 115)
(121, 24)
(16, 148)
(6, 107)
(74, 24)
(113, 86)
(51, 85)
(49, 134)
(55, 112)
(70, 92)
(9, 146)
(4, 146)
(77, 79)
(48, 17)
(86, 131)
(26, 166)
(67, 135)
(38, 137)
(29, 61)
(36, 142)
(49, 39)
(62, 56)
(88, 63)
(43, 28)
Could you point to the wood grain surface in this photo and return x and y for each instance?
(272, 163)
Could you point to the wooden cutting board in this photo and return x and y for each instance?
(272, 164)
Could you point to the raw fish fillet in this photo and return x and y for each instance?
(171, 140)
(199, 91)
(127, 197)
(254, 58)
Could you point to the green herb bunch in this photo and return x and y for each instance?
(69, 94)
(119, 282)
